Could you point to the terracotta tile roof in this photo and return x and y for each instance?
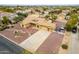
(52, 44)
(9, 33)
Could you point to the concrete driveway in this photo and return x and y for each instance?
(32, 43)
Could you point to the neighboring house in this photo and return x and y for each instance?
(9, 15)
(65, 11)
(67, 17)
(21, 11)
(37, 22)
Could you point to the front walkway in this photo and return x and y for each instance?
(33, 42)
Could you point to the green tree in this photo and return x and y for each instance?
(22, 14)
(72, 22)
(5, 20)
(17, 19)
(47, 16)
(53, 17)
(9, 10)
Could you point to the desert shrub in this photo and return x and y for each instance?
(64, 46)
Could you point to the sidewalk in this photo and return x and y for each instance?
(74, 44)
(66, 40)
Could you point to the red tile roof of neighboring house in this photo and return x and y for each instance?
(52, 43)
(9, 33)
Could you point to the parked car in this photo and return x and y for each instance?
(60, 29)
(74, 29)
